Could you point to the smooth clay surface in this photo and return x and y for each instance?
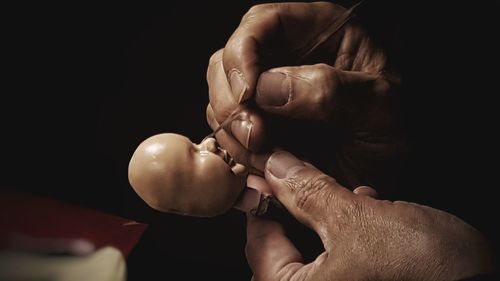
(171, 174)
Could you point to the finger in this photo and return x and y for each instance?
(292, 23)
(270, 254)
(366, 191)
(227, 141)
(259, 184)
(237, 151)
(249, 128)
(219, 92)
(251, 197)
(316, 91)
(309, 195)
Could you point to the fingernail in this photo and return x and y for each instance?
(281, 163)
(238, 84)
(241, 130)
(248, 200)
(273, 89)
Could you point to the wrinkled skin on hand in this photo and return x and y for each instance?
(339, 98)
(364, 238)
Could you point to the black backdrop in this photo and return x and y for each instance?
(84, 84)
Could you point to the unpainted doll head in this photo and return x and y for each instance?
(171, 174)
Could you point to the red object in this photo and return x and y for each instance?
(43, 217)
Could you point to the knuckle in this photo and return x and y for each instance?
(325, 80)
(259, 13)
(209, 114)
(309, 192)
(352, 210)
(216, 57)
(346, 215)
(257, 9)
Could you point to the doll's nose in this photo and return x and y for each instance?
(209, 144)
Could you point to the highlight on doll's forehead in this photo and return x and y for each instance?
(155, 148)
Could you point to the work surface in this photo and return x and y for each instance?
(150, 251)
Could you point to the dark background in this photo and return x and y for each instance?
(84, 84)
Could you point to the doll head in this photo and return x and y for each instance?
(171, 174)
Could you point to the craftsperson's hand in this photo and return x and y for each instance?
(343, 85)
(364, 238)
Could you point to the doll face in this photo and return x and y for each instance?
(172, 174)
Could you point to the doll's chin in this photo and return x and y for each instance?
(239, 170)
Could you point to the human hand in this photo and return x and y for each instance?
(342, 85)
(363, 238)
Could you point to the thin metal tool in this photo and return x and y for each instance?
(233, 116)
(328, 32)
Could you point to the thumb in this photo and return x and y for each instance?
(315, 91)
(308, 194)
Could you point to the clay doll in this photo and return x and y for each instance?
(171, 174)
